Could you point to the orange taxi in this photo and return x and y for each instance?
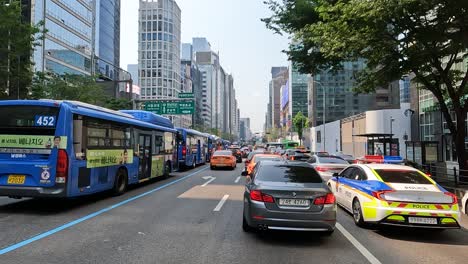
(223, 159)
(260, 157)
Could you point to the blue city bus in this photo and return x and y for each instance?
(211, 146)
(192, 148)
(68, 149)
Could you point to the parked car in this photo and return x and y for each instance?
(327, 165)
(223, 159)
(288, 196)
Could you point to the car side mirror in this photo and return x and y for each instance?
(244, 173)
(336, 174)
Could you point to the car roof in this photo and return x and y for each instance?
(378, 166)
(266, 155)
(283, 162)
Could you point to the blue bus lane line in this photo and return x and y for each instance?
(92, 215)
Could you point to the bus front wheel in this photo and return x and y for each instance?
(120, 183)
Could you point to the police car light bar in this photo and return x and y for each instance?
(380, 159)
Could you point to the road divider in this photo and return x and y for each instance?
(92, 215)
(221, 203)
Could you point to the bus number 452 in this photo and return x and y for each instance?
(44, 120)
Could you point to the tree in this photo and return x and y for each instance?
(67, 87)
(118, 104)
(18, 38)
(300, 122)
(428, 39)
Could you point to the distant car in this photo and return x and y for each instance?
(262, 157)
(464, 203)
(288, 196)
(397, 195)
(237, 153)
(327, 165)
(299, 155)
(223, 159)
(349, 158)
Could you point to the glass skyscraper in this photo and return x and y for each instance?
(82, 37)
(107, 38)
(68, 43)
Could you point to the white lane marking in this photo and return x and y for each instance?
(221, 203)
(238, 179)
(209, 178)
(371, 258)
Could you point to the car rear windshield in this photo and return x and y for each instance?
(402, 176)
(288, 173)
(222, 153)
(332, 160)
(257, 159)
(34, 120)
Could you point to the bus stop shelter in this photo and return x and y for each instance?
(390, 145)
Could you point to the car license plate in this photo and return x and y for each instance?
(16, 179)
(422, 220)
(294, 202)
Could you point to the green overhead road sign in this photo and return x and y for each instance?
(170, 107)
(186, 95)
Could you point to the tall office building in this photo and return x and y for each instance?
(68, 45)
(208, 63)
(230, 95)
(159, 52)
(82, 37)
(186, 52)
(201, 44)
(298, 85)
(107, 38)
(279, 77)
(133, 70)
(335, 90)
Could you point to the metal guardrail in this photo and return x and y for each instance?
(450, 177)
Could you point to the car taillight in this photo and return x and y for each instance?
(184, 150)
(381, 194)
(292, 158)
(327, 199)
(322, 169)
(256, 195)
(454, 197)
(62, 167)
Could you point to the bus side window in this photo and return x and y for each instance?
(157, 145)
(79, 142)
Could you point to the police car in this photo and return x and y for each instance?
(391, 194)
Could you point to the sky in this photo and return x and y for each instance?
(246, 47)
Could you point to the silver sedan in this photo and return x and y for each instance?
(288, 196)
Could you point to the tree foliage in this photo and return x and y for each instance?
(18, 37)
(67, 87)
(424, 38)
(118, 104)
(300, 122)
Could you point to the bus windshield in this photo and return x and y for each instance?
(30, 120)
